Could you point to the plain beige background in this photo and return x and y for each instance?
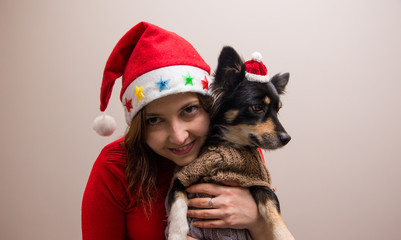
(339, 178)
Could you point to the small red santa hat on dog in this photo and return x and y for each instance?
(153, 63)
(255, 69)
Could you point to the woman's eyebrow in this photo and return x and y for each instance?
(152, 115)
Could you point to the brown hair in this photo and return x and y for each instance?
(142, 161)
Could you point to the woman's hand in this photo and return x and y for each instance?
(232, 207)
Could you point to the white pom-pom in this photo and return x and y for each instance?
(104, 125)
(256, 56)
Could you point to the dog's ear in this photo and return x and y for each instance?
(230, 69)
(280, 82)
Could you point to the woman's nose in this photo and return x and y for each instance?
(178, 133)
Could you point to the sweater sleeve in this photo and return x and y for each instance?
(105, 199)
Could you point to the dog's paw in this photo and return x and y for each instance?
(178, 225)
(178, 236)
(178, 231)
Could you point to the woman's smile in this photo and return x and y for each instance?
(184, 149)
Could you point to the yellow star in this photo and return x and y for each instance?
(139, 93)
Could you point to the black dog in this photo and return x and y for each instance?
(243, 119)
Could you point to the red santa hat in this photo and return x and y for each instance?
(153, 63)
(255, 69)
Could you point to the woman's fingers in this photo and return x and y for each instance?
(231, 206)
(230, 183)
(206, 202)
(205, 213)
(212, 224)
(209, 188)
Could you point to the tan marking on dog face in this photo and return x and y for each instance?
(231, 115)
(238, 134)
(267, 100)
(266, 127)
(280, 105)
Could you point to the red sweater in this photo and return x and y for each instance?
(110, 212)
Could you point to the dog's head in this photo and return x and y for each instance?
(245, 112)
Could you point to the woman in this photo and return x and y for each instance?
(166, 104)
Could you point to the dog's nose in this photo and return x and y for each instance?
(284, 138)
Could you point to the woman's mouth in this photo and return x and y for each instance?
(184, 149)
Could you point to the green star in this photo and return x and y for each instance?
(188, 79)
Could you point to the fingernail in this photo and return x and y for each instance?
(196, 224)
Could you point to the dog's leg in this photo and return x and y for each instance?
(177, 206)
(269, 208)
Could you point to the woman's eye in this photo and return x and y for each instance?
(153, 121)
(191, 110)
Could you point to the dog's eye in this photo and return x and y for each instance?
(257, 108)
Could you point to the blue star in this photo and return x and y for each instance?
(163, 84)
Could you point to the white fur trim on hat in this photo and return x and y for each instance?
(162, 82)
(256, 77)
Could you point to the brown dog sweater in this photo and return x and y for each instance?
(225, 163)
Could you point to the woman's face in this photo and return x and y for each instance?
(176, 127)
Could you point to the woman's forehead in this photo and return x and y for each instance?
(170, 104)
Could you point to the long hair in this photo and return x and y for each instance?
(142, 162)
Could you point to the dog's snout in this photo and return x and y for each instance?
(284, 138)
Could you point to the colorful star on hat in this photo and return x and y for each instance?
(188, 79)
(138, 93)
(128, 104)
(163, 84)
(205, 83)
